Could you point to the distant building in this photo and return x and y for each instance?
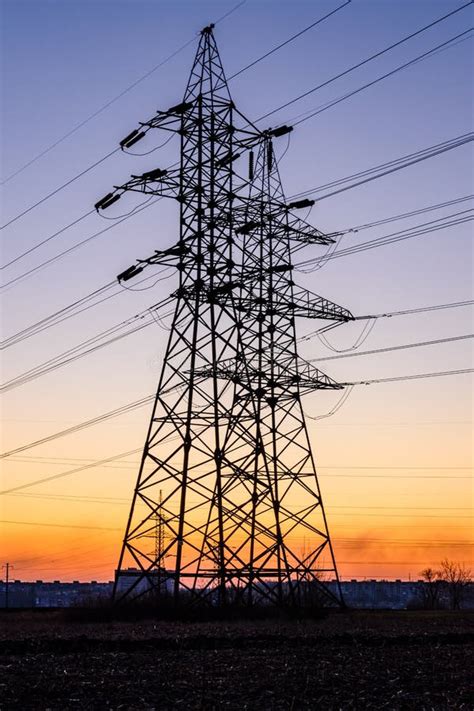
(128, 578)
(359, 594)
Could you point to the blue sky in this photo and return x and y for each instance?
(63, 59)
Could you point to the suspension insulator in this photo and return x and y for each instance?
(251, 163)
(270, 155)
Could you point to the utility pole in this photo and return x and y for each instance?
(227, 463)
(7, 567)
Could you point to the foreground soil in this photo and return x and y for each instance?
(355, 660)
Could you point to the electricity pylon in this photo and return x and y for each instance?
(227, 443)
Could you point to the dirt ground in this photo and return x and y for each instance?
(354, 660)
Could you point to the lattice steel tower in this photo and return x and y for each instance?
(227, 468)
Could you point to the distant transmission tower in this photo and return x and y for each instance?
(227, 462)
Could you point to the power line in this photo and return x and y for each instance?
(294, 100)
(64, 313)
(59, 525)
(404, 312)
(113, 100)
(451, 42)
(57, 316)
(364, 61)
(49, 261)
(401, 542)
(89, 346)
(101, 160)
(133, 465)
(128, 407)
(68, 473)
(139, 403)
(107, 500)
(416, 376)
(383, 169)
(72, 310)
(405, 215)
(47, 239)
(96, 343)
(57, 190)
(388, 349)
(416, 231)
(420, 152)
(411, 159)
(290, 39)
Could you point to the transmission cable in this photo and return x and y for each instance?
(418, 156)
(418, 230)
(71, 471)
(389, 167)
(139, 403)
(405, 215)
(388, 314)
(86, 170)
(33, 270)
(294, 100)
(53, 319)
(57, 190)
(71, 310)
(88, 346)
(400, 68)
(123, 409)
(364, 61)
(290, 39)
(401, 160)
(114, 99)
(388, 349)
(416, 376)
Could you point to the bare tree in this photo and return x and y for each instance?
(430, 589)
(456, 577)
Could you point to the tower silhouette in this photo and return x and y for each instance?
(227, 467)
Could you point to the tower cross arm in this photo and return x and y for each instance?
(166, 258)
(310, 305)
(304, 377)
(169, 120)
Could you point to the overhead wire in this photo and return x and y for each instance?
(415, 376)
(387, 168)
(411, 159)
(71, 310)
(76, 470)
(390, 314)
(67, 251)
(290, 39)
(139, 403)
(47, 239)
(58, 189)
(114, 99)
(405, 215)
(88, 346)
(53, 318)
(241, 71)
(425, 55)
(392, 238)
(389, 349)
(364, 61)
(123, 409)
(296, 99)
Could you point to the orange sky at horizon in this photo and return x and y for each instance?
(385, 522)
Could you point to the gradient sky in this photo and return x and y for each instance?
(395, 460)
